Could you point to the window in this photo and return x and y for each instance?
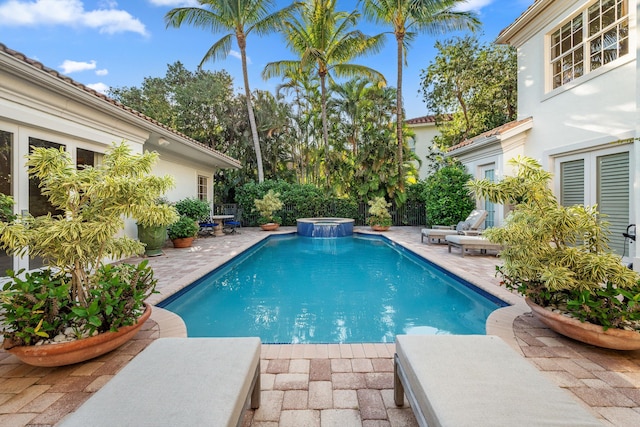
(87, 157)
(203, 187)
(591, 39)
(488, 173)
(6, 150)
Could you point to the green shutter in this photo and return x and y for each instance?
(572, 183)
(613, 197)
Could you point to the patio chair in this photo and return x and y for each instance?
(207, 227)
(231, 225)
(466, 242)
(470, 225)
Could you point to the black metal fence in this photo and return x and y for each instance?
(409, 214)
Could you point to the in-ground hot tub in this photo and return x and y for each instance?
(325, 227)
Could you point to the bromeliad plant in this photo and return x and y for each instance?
(79, 289)
(557, 256)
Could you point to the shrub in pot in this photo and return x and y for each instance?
(557, 256)
(153, 235)
(75, 245)
(266, 207)
(182, 232)
(379, 216)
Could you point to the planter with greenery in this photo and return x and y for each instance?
(266, 207)
(379, 216)
(153, 235)
(558, 258)
(182, 232)
(78, 295)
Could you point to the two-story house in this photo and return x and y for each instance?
(577, 108)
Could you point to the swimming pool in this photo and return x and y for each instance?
(292, 289)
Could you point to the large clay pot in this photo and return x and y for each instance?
(616, 339)
(183, 242)
(71, 352)
(153, 237)
(270, 226)
(380, 227)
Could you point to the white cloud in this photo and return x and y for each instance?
(474, 5)
(102, 72)
(236, 54)
(99, 87)
(174, 3)
(69, 66)
(70, 13)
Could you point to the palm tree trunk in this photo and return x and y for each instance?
(325, 128)
(399, 115)
(252, 118)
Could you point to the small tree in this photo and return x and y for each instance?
(448, 200)
(267, 206)
(379, 212)
(94, 202)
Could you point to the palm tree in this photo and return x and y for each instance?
(408, 17)
(240, 18)
(325, 41)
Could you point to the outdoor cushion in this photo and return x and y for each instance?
(478, 380)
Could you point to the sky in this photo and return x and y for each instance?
(106, 43)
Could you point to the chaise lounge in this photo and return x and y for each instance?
(470, 225)
(466, 243)
(179, 382)
(476, 381)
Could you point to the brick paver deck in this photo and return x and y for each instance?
(328, 385)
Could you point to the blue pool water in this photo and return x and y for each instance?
(341, 290)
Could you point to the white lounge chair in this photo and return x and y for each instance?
(465, 243)
(438, 232)
(478, 381)
(179, 382)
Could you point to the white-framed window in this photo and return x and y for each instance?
(488, 172)
(6, 186)
(601, 178)
(203, 187)
(596, 36)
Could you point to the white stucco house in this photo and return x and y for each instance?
(424, 129)
(578, 109)
(41, 107)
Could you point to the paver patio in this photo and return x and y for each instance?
(327, 385)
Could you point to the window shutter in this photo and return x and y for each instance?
(613, 196)
(572, 183)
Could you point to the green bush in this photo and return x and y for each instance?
(183, 227)
(446, 196)
(196, 209)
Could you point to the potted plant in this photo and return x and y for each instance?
(153, 234)
(379, 216)
(86, 306)
(267, 206)
(182, 232)
(558, 258)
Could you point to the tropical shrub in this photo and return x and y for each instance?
(447, 198)
(379, 212)
(557, 256)
(267, 206)
(194, 208)
(184, 227)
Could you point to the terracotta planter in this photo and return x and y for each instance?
(616, 339)
(270, 226)
(71, 352)
(183, 242)
(380, 227)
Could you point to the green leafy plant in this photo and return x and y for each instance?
(95, 202)
(446, 196)
(6, 208)
(379, 212)
(196, 209)
(184, 227)
(557, 256)
(38, 304)
(267, 206)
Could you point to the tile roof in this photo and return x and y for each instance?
(424, 119)
(38, 65)
(495, 132)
